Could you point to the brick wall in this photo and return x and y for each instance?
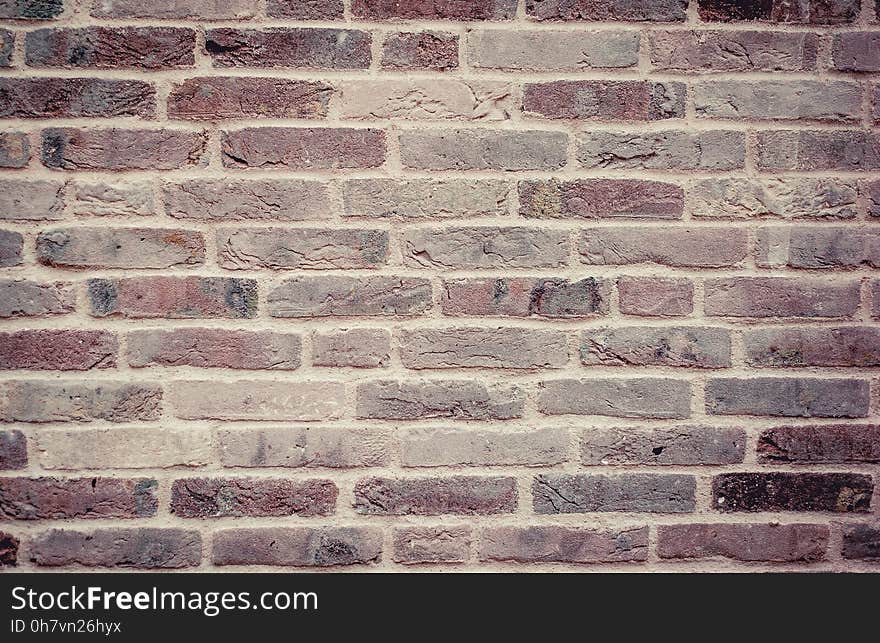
(548, 284)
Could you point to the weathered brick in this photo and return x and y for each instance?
(62, 350)
(75, 98)
(355, 348)
(485, 247)
(788, 397)
(214, 348)
(817, 247)
(346, 296)
(786, 198)
(655, 296)
(871, 190)
(564, 493)
(757, 297)
(418, 545)
(430, 447)
(600, 199)
(120, 247)
(302, 148)
(678, 247)
(600, 100)
(176, 9)
(453, 399)
(7, 44)
(13, 450)
(814, 12)
(856, 51)
(61, 498)
(111, 47)
(608, 10)
(301, 248)
(557, 544)
(802, 150)
(123, 149)
(15, 150)
(666, 150)
(525, 297)
(669, 346)
(302, 446)
(662, 446)
(482, 149)
(73, 401)
(298, 546)
(305, 9)
(112, 198)
(820, 444)
(31, 9)
(552, 50)
(424, 198)
(23, 298)
(257, 400)
(785, 100)
(745, 542)
(143, 548)
(31, 200)
(730, 51)
(217, 497)
(173, 297)
(215, 98)
(861, 542)
(8, 549)
(283, 47)
(11, 244)
(434, 10)
(254, 199)
(839, 492)
(875, 292)
(459, 495)
(426, 50)
(643, 397)
(846, 346)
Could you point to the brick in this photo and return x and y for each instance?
(669, 346)
(75, 98)
(482, 149)
(75, 401)
(142, 548)
(759, 297)
(817, 247)
(838, 492)
(744, 542)
(655, 296)
(303, 446)
(418, 545)
(214, 98)
(346, 296)
(220, 497)
(788, 397)
(23, 298)
(856, 51)
(662, 446)
(525, 297)
(431, 447)
(13, 450)
(424, 198)
(246, 200)
(552, 50)
(787, 100)
(666, 150)
(65, 498)
(451, 399)
(787, 198)
(635, 492)
(8, 549)
(875, 291)
(458, 495)
(731, 51)
(302, 248)
(302, 148)
(123, 448)
(485, 247)
(214, 348)
(119, 149)
(424, 50)
(120, 247)
(608, 10)
(861, 542)
(677, 247)
(11, 244)
(552, 543)
(634, 397)
(305, 9)
(176, 9)
(803, 150)
(31, 200)
(820, 444)
(600, 199)
(857, 346)
(354, 348)
(871, 190)
(283, 47)
(433, 10)
(111, 47)
(63, 350)
(112, 198)
(257, 400)
(15, 150)
(814, 12)
(595, 100)
(7, 44)
(31, 9)
(298, 546)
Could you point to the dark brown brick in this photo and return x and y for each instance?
(31, 9)
(298, 546)
(111, 47)
(75, 98)
(144, 548)
(305, 9)
(64, 498)
(8, 549)
(434, 9)
(814, 12)
(838, 492)
(861, 542)
(622, 100)
(216, 497)
(282, 47)
(13, 450)
(820, 444)
(608, 10)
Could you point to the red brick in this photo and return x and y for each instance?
(434, 9)
(13, 450)
(557, 544)
(111, 47)
(525, 297)
(746, 542)
(730, 51)
(214, 348)
(655, 296)
(846, 346)
(788, 397)
(22, 298)
(11, 245)
(75, 98)
(216, 497)
(623, 100)
(814, 12)
(79, 401)
(282, 47)
(837, 492)
(8, 549)
(820, 444)
(600, 199)
(759, 297)
(142, 548)
(608, 10)
(428, 50)
(305, 9)
(298, 546)
(107, 247)
(63, 350)
(419, 545)
(176, 9)
(459, 495)
(632, 492)
(15, 150)
(676, 247)
(215, 98)
(303, 148)
(64, 498)
(174, 297)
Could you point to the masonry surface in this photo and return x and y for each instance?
(394, 284)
